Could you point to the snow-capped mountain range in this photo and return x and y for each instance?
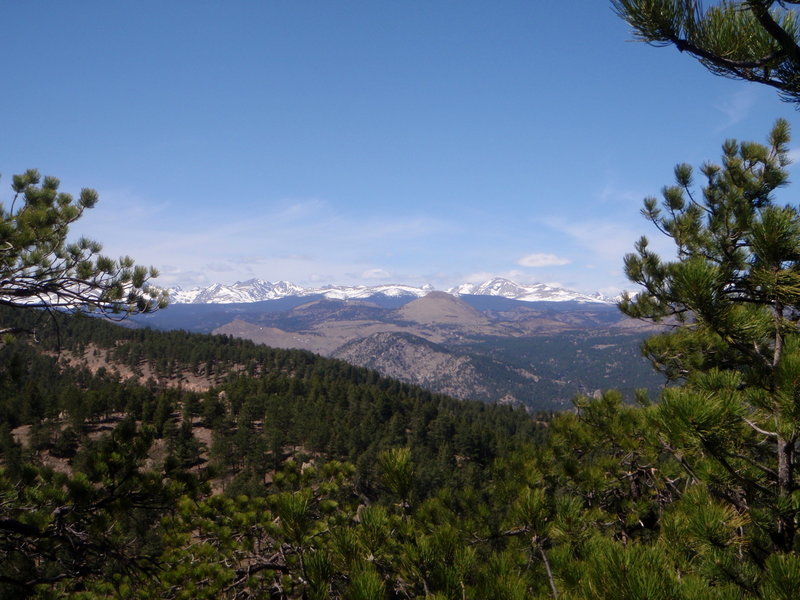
(256, 290)
(532, 292)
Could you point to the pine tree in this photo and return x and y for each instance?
(753, 40)
(39, 268)
(98, 523)
(733, 298)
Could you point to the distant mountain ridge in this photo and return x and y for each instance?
(539, 354)
(532, 292)
(481, 345)
(257, 290)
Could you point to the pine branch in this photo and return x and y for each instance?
(788, 45)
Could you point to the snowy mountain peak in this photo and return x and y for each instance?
(494, 287)
(533, 292)
(255, 290)
(252, 290)
(339, 292)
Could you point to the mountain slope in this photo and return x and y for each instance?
(415, 360)
(442, 309)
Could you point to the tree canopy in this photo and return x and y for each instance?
(733, 293)
(40, 268)
(304, 477)
(753, 40)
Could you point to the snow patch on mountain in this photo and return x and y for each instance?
(256, 290)
(252, 290)
(533, 292)
(337, 292)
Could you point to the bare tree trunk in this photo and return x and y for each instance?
(785, 448)
(546, 562)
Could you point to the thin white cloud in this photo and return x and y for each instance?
(221, 267)
(607, 241)
(298, 210)
(376, 274)
(736, 107)
(298, 240)
(794, 156)
(171, 276)
(611, 193)
(543, 260)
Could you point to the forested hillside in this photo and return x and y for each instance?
(268, 419)
(294, 476)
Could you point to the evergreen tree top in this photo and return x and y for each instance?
(40, 268)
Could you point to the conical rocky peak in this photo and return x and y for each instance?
(441, 308)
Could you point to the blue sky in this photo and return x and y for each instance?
(361, 142)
